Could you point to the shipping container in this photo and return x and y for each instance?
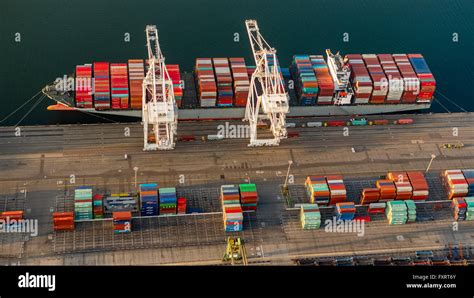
(310, 217)
(337, 189)
(175, 76)
(225, 93)
(396, 212)
(119, 85)
(168, 200)
(241, 81)
(318, 190)
(411, 83)
(122, 222)
(369, 195)
(345, 211)
(324, 78)
(205, 82)
(136, 74)
(101, 85)
(394, 78)
(248, 197)
(306, 84)
(427, 80)
(454, 183)
(360, 79)
(379, 80)
(388, 191)
(469, 176)
(83, 86)
(63, 221)
(83, 203)
(148, 199)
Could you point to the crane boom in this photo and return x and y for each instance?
(267, 99)
(159, 110)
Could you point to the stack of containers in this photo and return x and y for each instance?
(83, 86)
(360, 79)
(101, 85)
(181, 206)
(122, 222)
(377, 74)
(168, 200)
(148, 199)
(306, 83)
(411, 83)
(63, 221)
(175, 76)
(119, 83)
(233, 217)
(232, 211)
(455, 183)
(377, 208)
(206, 82)
(420, 186)
(230, 194)
(225, 94)
(98, 204)
(337, 189)
(411, 211)
(136, 74)
(345, 211)
(83, 203)
(318, 190)
(427, 80)
(369, 195)
(469, 208)
(387, 189)
(325, 82)
(396, 212)
(11, 215)
(248, 197)
(469, 176)
(395, 81)
(459, 207)
(404, 190)
(241, 81)
(310, 217)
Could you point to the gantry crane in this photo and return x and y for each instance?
(267, 97)
(159, 110)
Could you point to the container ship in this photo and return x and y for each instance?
(218, 88)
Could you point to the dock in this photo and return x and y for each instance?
(40, 167)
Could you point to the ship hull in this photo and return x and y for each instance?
(295, 111)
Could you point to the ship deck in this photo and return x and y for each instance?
(36, 170)
(190, 109)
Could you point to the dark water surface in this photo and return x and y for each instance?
(56, 35)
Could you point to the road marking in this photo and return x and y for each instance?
(400, 238)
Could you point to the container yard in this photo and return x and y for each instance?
(185, 201)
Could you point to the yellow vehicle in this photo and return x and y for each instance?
(235, 253)
(453, 146)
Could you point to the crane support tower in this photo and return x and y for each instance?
(268, 99)
(159, 110)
